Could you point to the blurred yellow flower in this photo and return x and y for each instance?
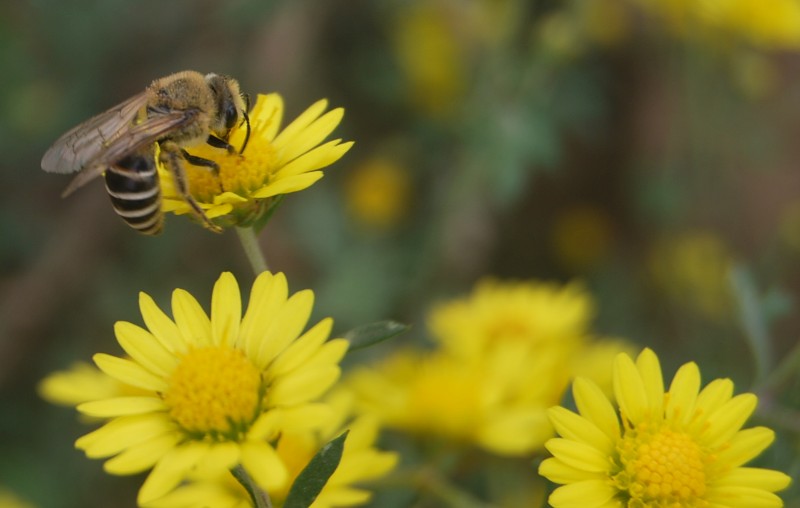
(9, 499)
(439, 397)
(428, 50)
(692, 268)
(378, 192)
(768, 25)
(361, 462)
(534, 314)
(273, 163)
(218, 390)
(683, 447)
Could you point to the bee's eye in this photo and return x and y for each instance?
(231, 115)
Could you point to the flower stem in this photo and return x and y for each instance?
(260, 497)
(249, 240)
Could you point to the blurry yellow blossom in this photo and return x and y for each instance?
(683, 447)
(378, 193)
(582, 237)
(275, 161)
(773, 24)
(533, 314)
(438, 396)
(9, 499)
(692, 268)
(505, 353)
(430, 54)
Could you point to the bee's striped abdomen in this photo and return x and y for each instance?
(132, 183)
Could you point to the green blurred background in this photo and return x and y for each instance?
(647, 147)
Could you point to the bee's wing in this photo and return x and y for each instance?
(132, 140)
(72, 151)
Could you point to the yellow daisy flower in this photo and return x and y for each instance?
(274, 162)
(219, 389)
(681, 448)
(360, 462)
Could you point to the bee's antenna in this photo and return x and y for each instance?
(246, 121)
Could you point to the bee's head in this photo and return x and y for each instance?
(231, 106)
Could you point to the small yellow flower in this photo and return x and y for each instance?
(378, 193)
(274, 162)
(218, 390)
(683, 447)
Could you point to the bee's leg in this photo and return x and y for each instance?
(200, 161)
(171, 157)
(220, 143)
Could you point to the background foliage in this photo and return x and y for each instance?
(639, 146)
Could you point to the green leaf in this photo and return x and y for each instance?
(752, 319)
(312, 479)
(373, 333)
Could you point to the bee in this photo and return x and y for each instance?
(176, 112)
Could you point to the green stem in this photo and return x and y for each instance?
(260, 497)
(252, 249)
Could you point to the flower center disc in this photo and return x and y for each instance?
(663, 469)
(214, 390)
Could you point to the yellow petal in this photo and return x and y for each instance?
(264, 465)
(746, 445)
(302, 349)
(653, 380)
(753, 477)
(267, 297)
(122, 433)
(744, 497)
(726, 421)
(306, 416)
(143, 456)
(120, 406)
(579, 455)
(144, 349)
(299, 124)
(683, 393)
(267, 114)
(629, 389)
(160, 325)
(311, 136)
(302, 386)
(288, 185)
(558, 472)
(595, 407)
(318, 158)
(171, 470)
(130, 373)
(576, 428)
(585, 494)
(192, 321)
(226, 310)
(291, 319)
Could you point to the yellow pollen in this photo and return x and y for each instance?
(662, 468)
(246, 173)
(203, 183)
(214, 391)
